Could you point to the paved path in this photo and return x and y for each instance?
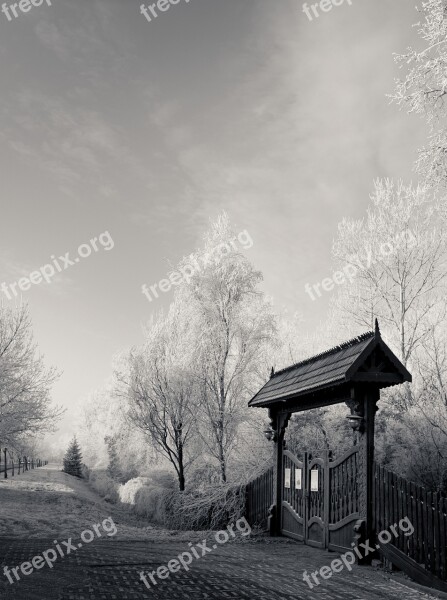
(249, 570)
(45, 505)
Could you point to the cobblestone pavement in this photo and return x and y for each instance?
(249, 570)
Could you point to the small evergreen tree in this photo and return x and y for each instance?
(73, 459)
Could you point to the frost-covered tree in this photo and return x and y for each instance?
(398, 258)
(427, 423)
(397, 254)
(161, 390)
(423, 89)
(25, 381)
(108, 438)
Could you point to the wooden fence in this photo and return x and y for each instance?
(14, 465)
(259, 498)
(423, 554)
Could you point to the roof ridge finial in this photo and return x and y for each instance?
(272, 372)
(377, 330)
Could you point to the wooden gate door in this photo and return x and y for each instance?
(316, 491)
(293, 504)
(342, 501)
(319, 503)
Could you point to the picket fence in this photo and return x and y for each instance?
(424, 552)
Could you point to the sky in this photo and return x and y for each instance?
(149, 130)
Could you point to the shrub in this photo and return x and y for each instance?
(157, 498)
(128, 491)
(151, 502)
(104, 485)
(212, 508)
(149, 496)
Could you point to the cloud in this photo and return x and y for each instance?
(52, 38)
(13, 270)
(67, 140)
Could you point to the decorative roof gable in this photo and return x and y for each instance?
(363, 359)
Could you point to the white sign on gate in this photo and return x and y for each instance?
(314, 480)
(287, 475)
(298, 479)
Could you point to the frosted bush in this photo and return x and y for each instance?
(106, 487)
(127, 492)
(149, 496)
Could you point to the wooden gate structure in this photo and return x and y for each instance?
(319, 505)
(341, 509)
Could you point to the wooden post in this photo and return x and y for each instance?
(326, 495)
(306, 494)
(6, 464)
(279, 422)
(363, 403)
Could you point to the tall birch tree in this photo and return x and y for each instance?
(234, 326)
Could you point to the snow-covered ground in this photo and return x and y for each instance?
(46, 502)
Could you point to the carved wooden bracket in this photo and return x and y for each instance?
(278, 423)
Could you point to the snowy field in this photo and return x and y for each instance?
(46, 502)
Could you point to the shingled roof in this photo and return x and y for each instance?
(365, 358)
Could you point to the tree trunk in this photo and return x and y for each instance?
(181, 467)
(223, 472)
(181, 479)
(403, 350)
(402, 326)
(223, 466)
